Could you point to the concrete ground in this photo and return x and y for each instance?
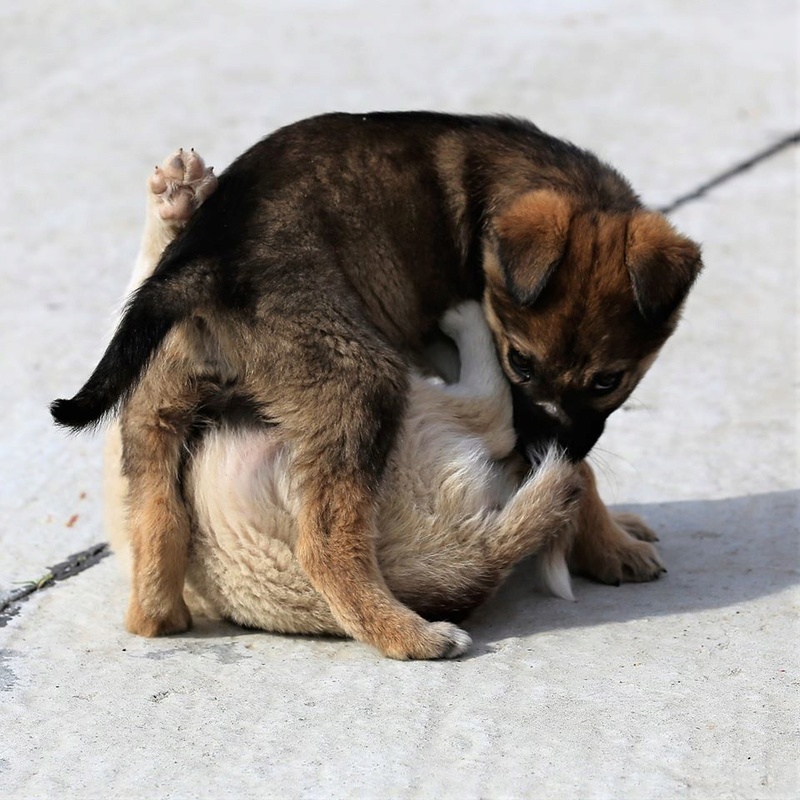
(685, 688)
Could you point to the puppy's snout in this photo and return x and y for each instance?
(539, 424)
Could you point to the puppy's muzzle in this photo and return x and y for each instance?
(538, 426)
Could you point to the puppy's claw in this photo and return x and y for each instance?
(622, 559)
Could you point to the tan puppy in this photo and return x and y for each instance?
(310, 281)
(455, 512)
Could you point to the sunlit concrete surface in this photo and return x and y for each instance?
(686, 688)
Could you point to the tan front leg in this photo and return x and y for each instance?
(609, 549)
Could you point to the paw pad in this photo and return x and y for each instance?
(180, 185)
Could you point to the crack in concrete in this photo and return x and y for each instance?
(77, 562)
(8, 677)
(733, 172)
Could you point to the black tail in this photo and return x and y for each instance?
(159, 304)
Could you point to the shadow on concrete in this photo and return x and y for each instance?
(720, 553)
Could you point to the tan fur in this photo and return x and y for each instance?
(456, 513)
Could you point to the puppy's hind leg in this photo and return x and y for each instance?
(342, 430)
(155, 521)
(175, 190)
(155, 424)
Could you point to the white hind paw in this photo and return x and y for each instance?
(180, 185)
(462, 318)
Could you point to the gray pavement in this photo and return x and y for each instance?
(686, 688)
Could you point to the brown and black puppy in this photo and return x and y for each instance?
(313, 275)
(456, 510)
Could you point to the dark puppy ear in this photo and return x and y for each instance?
(531, 239)
(662, 265)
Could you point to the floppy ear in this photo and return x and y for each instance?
(662, 265)
(531, 238)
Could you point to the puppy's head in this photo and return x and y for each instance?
(580, 301)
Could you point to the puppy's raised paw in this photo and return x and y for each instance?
(461, 318)
(180, 185)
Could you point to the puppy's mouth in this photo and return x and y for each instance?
(537, 431)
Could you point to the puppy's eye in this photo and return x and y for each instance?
(606, 382)
(520, 364)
